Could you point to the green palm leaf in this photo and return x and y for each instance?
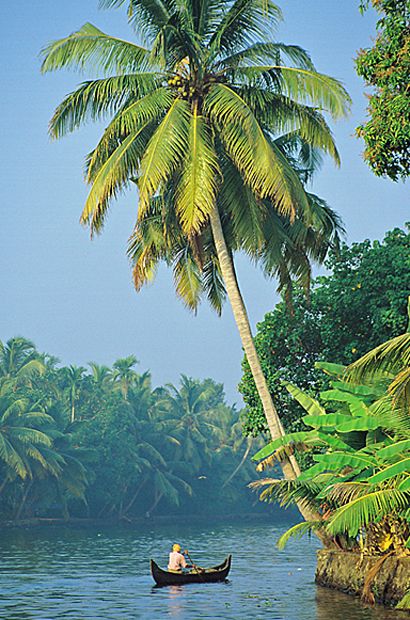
(198, 185)
(91, 47)
(164, 152)
(260, 162)
(394, 470)
(93, 100)
(363, 510)
(130, 119)
(112, 177)
(303, 86)
(299, 530)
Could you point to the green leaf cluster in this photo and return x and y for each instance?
(360, 480)
(102, 442)
(386, 68)
(359, 305)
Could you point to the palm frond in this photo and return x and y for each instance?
(299, 530)
(89, 47)
(261, 163)
(363, 510)
(303, 86)
(243, 22)
(130, 119)
(198, 184)
(164, 152)
(187, 278)
(95, 99)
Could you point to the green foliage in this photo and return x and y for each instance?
(360, 304)
(386, 68)
(103, 443)
(361, 489)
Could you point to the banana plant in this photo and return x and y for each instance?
(360, 480)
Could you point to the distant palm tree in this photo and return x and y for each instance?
(22, 436)
(73, 378)
(194, 422)
(102, 375)
(124, 374)
(196, 115)
(19, 361)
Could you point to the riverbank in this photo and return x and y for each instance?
(347, 572)
(158, 520)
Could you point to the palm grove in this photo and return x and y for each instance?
(102, 442)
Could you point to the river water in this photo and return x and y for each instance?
(102, 573)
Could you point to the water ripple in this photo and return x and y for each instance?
(102, 573)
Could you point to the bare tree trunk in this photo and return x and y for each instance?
(289, 466)
(23, 500)
(134, 497)
(238, 467)
(158, 497)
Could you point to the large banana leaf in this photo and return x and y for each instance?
(400, 447)
(329, 420)
(363, 423)
(310, 404)
(396, 469)
(339, 460)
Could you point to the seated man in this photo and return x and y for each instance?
(177, 560)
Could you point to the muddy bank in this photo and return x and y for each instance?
(346, 572)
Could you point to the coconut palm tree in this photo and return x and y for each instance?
(390, 360)
(23, 437)
(72, 383)
(196, 110)
(19, 361)
(123, 374)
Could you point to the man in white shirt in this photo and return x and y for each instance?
(177, 559)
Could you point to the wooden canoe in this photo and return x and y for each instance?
(208, 575)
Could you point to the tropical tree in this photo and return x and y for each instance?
(360, 481)
(390, 359)
(193, 421)
(19, 361)
(72, 383)
(196, 112)
(357, 306)
(124, 374)
(385, 68)
(24, 436)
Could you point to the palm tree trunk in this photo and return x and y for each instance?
(238, 467)
(134, 497)
(3, 484)
(23, 500)
(158, 497)
(289, 466)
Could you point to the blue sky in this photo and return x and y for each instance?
(73, 296)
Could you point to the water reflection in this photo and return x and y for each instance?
(95, 573)
(339, 606)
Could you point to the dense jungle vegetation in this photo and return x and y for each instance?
(104, 443)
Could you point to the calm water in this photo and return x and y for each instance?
(103, 574)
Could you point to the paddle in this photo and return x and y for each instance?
(195, 566)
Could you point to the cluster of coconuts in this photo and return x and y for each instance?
(182, 86)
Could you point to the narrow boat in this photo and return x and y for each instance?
(204, 575)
